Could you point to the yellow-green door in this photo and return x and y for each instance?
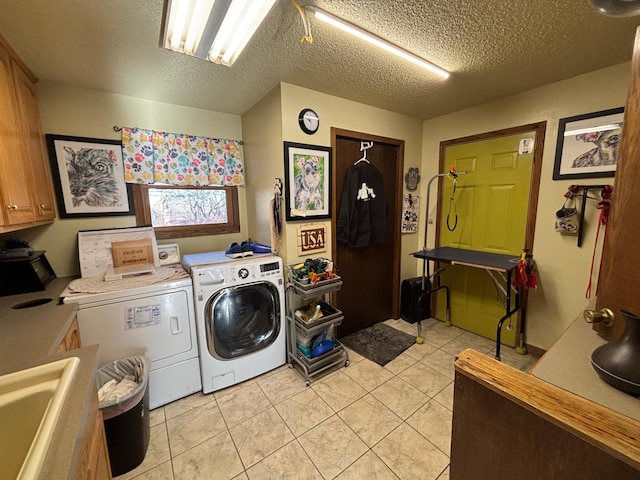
(491, 203)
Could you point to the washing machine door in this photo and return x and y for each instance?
(243, 319)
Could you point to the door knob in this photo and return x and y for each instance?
(604, 316)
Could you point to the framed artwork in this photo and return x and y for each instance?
(307, 171)
(88, 176)
(588, 144)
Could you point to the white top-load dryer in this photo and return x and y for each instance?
(135, 317)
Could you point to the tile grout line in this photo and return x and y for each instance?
(335, 412)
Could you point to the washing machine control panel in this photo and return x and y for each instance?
(230, 274)
(269, 267)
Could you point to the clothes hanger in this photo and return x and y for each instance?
(277, 187)
(364, 146)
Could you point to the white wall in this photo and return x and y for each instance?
(345, 114)
(563, 267)
(80, 112)
(262, 130)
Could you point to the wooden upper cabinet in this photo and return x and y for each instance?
(6, 126)
(33, 142)
(17, 202)
(25, 180)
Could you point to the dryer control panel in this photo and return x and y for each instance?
(169, 254)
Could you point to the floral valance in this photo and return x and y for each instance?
(177, 159)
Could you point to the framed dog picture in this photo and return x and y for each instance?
(588, 144)
(307, 170)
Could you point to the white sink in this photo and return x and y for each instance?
(30, 405)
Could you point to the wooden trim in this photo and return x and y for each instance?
(617, 282)
(503, 132)
(143, 215)
(534, 189)
(141, 202)
(397, 202)
(603, 428)
(22, 226)
(534, 351)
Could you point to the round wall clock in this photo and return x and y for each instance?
(308, 121)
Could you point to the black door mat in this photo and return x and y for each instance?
(379, 343)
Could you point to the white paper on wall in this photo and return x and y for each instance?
(410, 213)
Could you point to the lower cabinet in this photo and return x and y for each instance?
(99, 467)
(93, 460)
(71, 339)
(509, 424)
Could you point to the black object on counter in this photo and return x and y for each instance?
(618, 361)
(25, 274)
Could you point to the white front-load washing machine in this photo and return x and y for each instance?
(240, 318)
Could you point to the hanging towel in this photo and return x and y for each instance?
(362, 217)
(275, 215)
(274, 224)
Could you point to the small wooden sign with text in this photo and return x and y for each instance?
(132, 252)
(311, 239)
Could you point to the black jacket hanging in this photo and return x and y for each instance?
(362, 217)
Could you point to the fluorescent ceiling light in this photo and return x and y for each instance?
(375, 40)
(216, 30)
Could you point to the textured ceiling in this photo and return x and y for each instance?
(493, 48)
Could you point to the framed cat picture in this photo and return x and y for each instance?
(88, 177)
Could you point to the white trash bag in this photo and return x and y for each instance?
(122, 384)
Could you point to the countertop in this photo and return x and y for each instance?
(30, 337)
(567, 364)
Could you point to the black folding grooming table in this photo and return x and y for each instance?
(495, 264)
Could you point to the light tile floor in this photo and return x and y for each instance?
(360, 422)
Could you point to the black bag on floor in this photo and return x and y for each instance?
(411, 308)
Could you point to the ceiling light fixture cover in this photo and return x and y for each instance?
(617, 8)
(375, 40)
(215, 30)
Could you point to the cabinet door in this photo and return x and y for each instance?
(33, 144)
(99, 466)
(618, 282)
(71, 339)
(17, 204)
(93, 455)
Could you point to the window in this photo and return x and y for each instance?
(187, 211)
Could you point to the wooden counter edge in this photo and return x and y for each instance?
(603, 428)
